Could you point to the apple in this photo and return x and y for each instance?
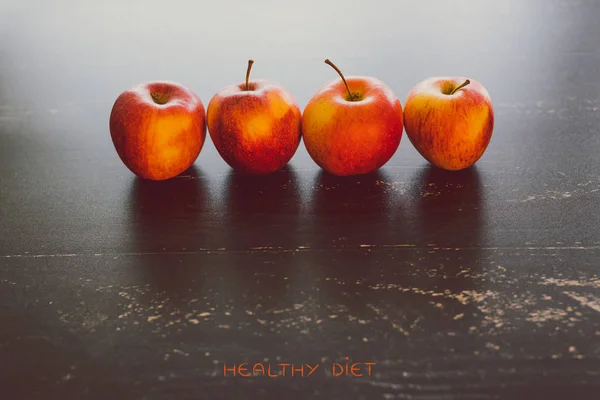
(353, 125)
(449, 120)
(158, 129)
(255, 125)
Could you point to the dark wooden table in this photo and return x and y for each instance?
(478, 284)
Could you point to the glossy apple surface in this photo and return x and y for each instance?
(352, 136)
(449, 125)
(158, 129)
(255, 126)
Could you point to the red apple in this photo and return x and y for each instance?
(353, 125)
(158, 129)
(255, 125)
(449, 120)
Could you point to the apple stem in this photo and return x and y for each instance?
(465, 83)
(159, 98)
(350, 94)
(250, 62)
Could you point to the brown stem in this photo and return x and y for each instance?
(465, 83)
(250, 62)
(159, 98)
(350, 96)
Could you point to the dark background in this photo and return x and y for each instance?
(469, 285)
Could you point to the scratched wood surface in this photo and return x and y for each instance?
(480, 284)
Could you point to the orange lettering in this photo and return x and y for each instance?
(333, 369)
(272, 376)
(347, 358)
(283, 369)
(312, 369)
(301, 370)
(357, 367)
(255, 369)
(244, 372)
(225, 369)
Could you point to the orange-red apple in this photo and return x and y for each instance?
(255, 125)
(158, 129)
(449, 120)
(353, 125)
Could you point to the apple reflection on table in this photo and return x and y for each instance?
(387, 247)
(345, 238)
(167, 220)
(237, 243)
(260, 211)
(259, 229)
(446, 210)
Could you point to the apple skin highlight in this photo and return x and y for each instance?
(255, 131)
(346, 137)
(158, 129)
(451, 131)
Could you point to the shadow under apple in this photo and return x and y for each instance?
(448, 207)
(166, 221)
(373, 261)
(349, 211)
(259, 234)
(447, 221)
(349, 220)
(261, 210)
